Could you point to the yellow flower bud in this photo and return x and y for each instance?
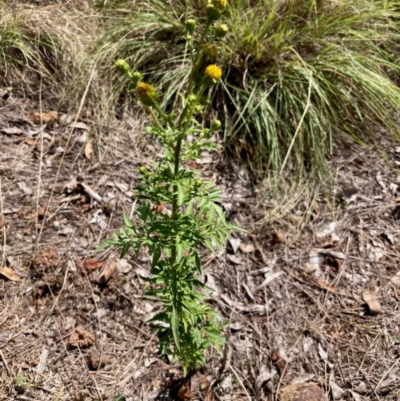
(143, 170)
(192, 98)
(147, 94)
(190, 26)
(216, 125)
(219, 4)
(122, 66)
(221, 31)
(136, 77)
(213, 73)
(210, 54)
(212, 13)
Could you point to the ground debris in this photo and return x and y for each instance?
(81, 338)
(302, 392)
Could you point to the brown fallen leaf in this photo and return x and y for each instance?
(205, 387)
(279, 363)
(159, 208)
(204, 384)
(370, 296)
(184, 393)
(48, 117)
(31, 141)
(209, 395)
(302, 392)
(9, 274)
(193, 165)
(108, 271)
(325, 286)
(92, 264)
(89, 149)
(277, 238)
(247, 248)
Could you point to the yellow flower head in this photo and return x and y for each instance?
(147, 93)
(219, 4)
(213, 73)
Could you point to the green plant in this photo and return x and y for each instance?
(21, 382)
(301, 76)
(180, 211)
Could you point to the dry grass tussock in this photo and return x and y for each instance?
(45, 48)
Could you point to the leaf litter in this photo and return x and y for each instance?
(9, 274)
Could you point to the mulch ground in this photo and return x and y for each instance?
(310, 292)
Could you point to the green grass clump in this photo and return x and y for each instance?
(301, 76)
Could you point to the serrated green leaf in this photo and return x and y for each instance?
(189, 209)
(124, 249)
(200, 284)
(156, 256)
(209, 245)
(211, 215)
(216, 338)
(216, 239)
(223, 235)
(104, 244)
(128, 222)
(197, 262)
(220, 213)
(202, 203)
(161, 317)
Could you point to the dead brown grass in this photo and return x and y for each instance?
(47, 49)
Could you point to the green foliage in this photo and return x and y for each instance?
(300, 76)
(179, 212)
(21, 382)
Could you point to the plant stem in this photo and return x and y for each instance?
(196, 58)
(182, 126)
(154, 117)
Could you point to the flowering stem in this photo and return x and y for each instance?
(154, 117)
(198, 56)
(198, 52)
(183, 126)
